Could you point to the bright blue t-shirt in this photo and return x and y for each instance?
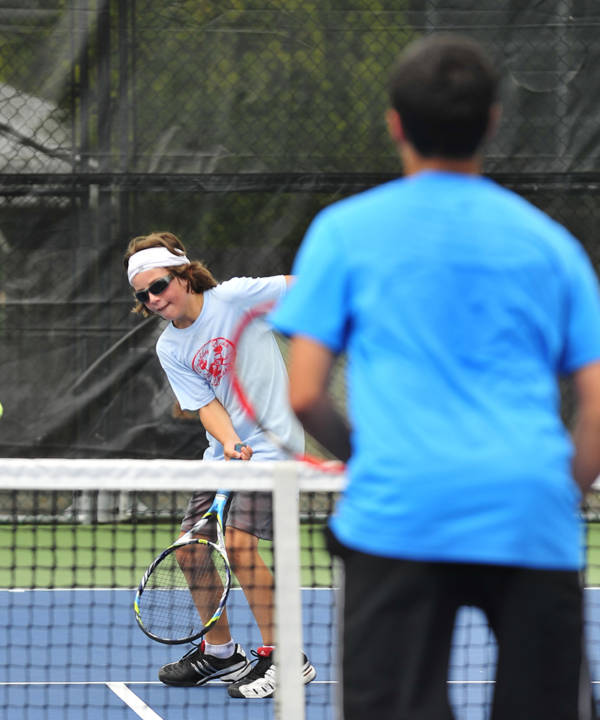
(459, 304)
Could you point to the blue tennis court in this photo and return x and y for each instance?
(73, 654)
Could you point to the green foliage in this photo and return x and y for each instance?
(30, 36)
(267, 88)
(183, 86)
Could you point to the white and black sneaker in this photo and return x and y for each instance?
(197, 668)
(260, 681)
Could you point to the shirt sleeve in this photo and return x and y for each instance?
(252, 292)
(317, 304)
(582, 336)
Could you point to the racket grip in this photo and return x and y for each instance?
(239, 447)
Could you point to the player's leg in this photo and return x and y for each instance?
(250, 518)
(398, 620)
(205, 594)
(254, 577)
(537, 617)
(218, 656)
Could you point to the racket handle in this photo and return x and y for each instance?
(238, 447)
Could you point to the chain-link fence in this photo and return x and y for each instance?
(230, 125)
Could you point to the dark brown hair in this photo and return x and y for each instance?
(443, 87)
(196, 275)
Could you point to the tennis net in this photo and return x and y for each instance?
(75, 539)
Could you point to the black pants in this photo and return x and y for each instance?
(398, 622)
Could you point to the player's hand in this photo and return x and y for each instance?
(237, 451)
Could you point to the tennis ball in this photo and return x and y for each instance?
(1, 410)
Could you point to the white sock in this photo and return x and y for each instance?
(221, 651)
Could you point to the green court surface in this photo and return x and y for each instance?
(84, 556)
(115, 555)
(593, 555)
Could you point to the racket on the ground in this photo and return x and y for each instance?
(249, 335)
(192, 573)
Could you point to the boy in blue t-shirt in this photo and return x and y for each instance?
(459, 305)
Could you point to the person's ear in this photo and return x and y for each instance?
(394, 125)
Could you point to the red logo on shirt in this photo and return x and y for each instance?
(214, 360)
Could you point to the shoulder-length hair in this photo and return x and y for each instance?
(197, 276)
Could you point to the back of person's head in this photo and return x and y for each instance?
(443, 87)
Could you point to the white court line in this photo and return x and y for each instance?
(216, 683)
(26, 683)
(136, 703)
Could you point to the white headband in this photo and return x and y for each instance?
(154, 257)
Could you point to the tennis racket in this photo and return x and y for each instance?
(254, 331)
(192, 573)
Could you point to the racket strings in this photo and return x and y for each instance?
(184, 591)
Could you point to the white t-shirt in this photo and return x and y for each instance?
(198, 362)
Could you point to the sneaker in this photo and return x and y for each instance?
(260, 681)
(197, 668)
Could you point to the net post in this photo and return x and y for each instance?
(289, 692)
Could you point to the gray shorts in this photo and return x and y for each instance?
(251, 512)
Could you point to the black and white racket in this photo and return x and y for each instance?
(184, 590)
(255, 400)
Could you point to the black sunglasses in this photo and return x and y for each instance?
(157, 287)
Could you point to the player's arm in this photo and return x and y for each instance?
(309, 366)
(586, 435)
(217, 422)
